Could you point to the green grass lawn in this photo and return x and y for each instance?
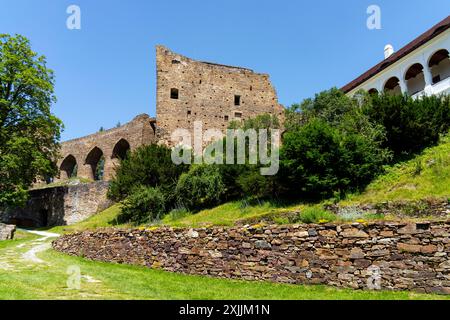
(27, 280)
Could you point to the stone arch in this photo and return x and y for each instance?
(121, 149)
(392, 85)
(68, 167)
(439, 64)
(415, 78)
(96, 161)
(373, 91)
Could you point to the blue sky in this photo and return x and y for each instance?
(105, 72)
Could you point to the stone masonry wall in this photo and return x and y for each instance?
(383, 255)
(59, 205)
(206, 92)
(140, 131)
(7, 231)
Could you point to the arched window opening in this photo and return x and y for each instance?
(68, 167)
(439, 64)
(393, 86)
(121, 149)
(373, 91)
(415, 79)
(96, 161)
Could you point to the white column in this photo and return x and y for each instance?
(428, 79)
(403, 85)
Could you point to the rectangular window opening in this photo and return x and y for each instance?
(173, 93)
(237, 100)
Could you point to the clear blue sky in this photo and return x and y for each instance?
(105, 72)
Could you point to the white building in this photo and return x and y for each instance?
(421, 67)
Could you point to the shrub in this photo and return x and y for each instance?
(318, 160)
(255, 185)
(143, 205)
(329, 106)
(411, 124)
(316, 215)
(331, 146)
(201, 187)
(308, 158)
(149, 166)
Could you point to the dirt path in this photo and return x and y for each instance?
(39, 245)
(26, 262)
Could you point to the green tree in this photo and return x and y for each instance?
(143, 205)
(201, 187)
(149, 166)
(411, 124)
(334, 148)
(29, 132)
(246, 179)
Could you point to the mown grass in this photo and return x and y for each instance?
(114, 281)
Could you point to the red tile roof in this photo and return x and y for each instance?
(413, 45)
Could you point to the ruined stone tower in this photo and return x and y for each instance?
(189, 90)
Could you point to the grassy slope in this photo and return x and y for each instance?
(427, 175)
(29, 280)
(104, 219)
(228, 214)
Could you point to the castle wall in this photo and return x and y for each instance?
(59, 205)
(140, 131)
(212, 93)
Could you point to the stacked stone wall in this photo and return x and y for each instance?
(382, 255)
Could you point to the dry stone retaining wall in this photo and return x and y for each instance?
(383, 255)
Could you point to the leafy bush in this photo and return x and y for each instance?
(318, 160)
(149, 166)
(316, 215)
(255, 185)
(330, 106)
(411, 124)
(246, 179)
(200, 188)
(143, 205)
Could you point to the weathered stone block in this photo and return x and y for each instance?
(7, 231)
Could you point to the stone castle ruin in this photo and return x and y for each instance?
(187, 91)
(215, 94)
(81, 157)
